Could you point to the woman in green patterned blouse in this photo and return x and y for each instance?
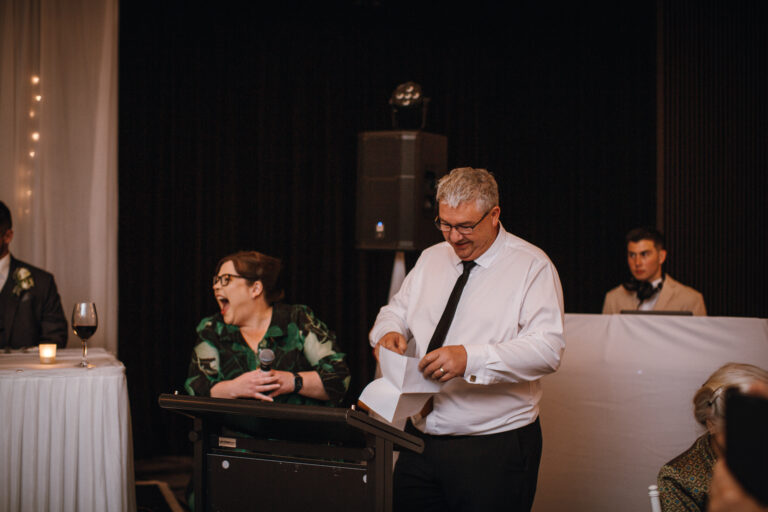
(684, 481)
(308, 367)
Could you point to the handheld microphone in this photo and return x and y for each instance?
(267, 357)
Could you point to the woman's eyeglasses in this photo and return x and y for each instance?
(224, 279)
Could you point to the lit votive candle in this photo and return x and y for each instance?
(48, 353)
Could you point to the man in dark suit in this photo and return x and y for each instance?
(30, 307)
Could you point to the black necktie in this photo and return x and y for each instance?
(450, 309)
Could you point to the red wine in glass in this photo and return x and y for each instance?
(84, 323)
(84, 331)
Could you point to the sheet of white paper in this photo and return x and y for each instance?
(403, 372)
(384, 399)
(393, 367)
(413, 379)
(402, 391)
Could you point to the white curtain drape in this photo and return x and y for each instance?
(58, 146)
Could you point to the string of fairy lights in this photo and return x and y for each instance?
(33, 152)
(37, 99)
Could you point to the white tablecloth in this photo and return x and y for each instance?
(621, 404)
(65, 434)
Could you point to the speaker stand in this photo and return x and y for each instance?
(398, 274)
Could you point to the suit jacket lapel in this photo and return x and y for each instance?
(665, 295)
(11, 301)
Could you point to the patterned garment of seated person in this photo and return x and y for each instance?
(684, 481)
(301, 342)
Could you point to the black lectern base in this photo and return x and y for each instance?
(247, 483)
(252, 455)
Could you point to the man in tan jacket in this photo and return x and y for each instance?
(650, 289)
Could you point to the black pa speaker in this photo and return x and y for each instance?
(397, 171)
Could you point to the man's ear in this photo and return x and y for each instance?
(495, 215)
(662, 256)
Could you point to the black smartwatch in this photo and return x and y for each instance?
(298, 382)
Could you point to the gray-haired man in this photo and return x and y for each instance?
(484, 311)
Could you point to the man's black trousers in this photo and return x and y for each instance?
(469, 473)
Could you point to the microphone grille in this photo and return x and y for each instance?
(266, 356)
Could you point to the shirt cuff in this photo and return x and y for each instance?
(477, 358)
(381, 329)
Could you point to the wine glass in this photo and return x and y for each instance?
(84, 323)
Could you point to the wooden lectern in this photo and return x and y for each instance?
(252, 455)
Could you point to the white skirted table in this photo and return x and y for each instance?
(65, 434)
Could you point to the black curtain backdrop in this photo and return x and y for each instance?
(715, 151)
(238, 130)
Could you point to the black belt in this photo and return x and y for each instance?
(410, 429)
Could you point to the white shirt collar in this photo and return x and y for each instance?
(485, 259)
(5, 267)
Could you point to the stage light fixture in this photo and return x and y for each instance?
(408, 96)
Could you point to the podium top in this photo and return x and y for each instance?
(323, 419)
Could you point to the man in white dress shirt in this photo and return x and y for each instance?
(481, 432)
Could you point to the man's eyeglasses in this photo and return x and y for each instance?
(462, 228)
(224, 279)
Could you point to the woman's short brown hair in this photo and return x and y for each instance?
(255, 266)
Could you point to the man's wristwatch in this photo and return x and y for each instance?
(298, 382)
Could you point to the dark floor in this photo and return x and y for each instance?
(175, 471)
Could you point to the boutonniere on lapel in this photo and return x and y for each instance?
(24, 281)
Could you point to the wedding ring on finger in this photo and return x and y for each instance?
(442, 371)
